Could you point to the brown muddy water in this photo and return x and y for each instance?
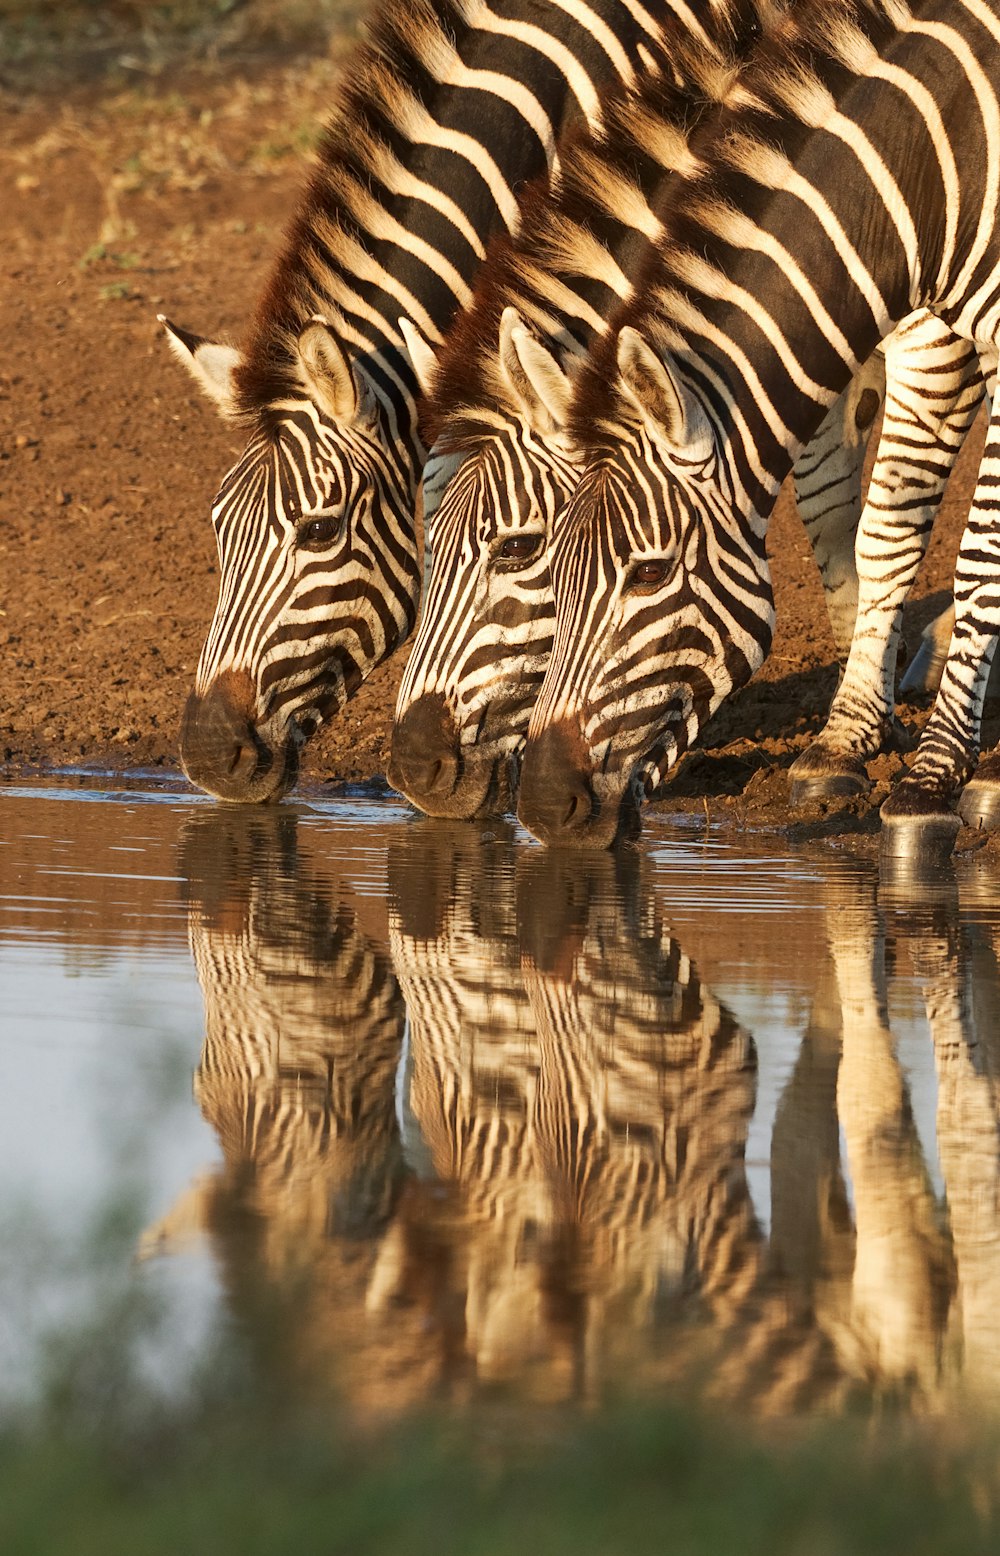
(425, 1113)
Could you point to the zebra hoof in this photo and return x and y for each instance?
(827, 786)
(979, 805)
(819, 774)
(920, 840)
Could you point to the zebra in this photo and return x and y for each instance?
(442, 115)
(503, 466)
(690, 410)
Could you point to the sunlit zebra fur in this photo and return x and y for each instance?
(447, 109)
(811, 230)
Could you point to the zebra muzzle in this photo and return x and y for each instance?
(425, 762)
(222, 751)
(557, 801)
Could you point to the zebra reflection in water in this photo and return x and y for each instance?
(588, 1100)
(303, 1031)
(533, 1175)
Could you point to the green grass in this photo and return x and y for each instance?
(662, 1481)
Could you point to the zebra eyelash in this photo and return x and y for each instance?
(507, 560)
(319, 531)
(658, 571)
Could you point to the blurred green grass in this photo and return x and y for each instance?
(47, 43)
(661, 1481)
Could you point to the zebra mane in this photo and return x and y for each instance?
(568, 217)
(388, 83)
(791, 82)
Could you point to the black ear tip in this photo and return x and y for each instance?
(192, 342)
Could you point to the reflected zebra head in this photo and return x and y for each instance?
(663, 602)
(577, 1103)
(318, 570)
(493, 487)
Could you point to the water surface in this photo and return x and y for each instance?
(426, 1113)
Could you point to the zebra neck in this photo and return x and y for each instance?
(442, 117)
(585, 230)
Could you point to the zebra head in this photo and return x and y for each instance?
(319, 577)
(491, 498)
(663, 604)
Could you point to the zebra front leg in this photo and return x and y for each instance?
(918, 820)
(934, 390)
(827, 479)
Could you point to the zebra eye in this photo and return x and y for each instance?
(649, 575)
(317, 534)
(519, 549)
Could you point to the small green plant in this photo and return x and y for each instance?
(95, 253)
(98, 253)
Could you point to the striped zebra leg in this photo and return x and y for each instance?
(935, 388)
(918, 820)
(828, 476)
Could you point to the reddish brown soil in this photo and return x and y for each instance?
(109, 458)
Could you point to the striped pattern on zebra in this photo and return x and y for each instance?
(503, 466)
(937, 388)
(811, 228)
(442, 115)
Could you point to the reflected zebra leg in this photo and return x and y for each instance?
(812, 1238)
(956, 982)
(935, 388)
(902, 1270)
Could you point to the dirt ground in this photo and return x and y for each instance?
(150, 175)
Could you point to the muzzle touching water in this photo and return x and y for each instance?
(557, 801)
(222, 750)
(429, 764)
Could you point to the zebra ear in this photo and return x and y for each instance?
(210, 364)
(661, 395)
(539, 384)
(338, 388)
(422, 355)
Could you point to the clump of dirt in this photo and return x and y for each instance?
(121, 202)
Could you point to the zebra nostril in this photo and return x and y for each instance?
(425, 760)
(557, 801)
(223, 752)
(578, 807)
(247, 756)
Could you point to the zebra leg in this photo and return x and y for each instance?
(827, 477)
(935, 389)
(917, 817)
